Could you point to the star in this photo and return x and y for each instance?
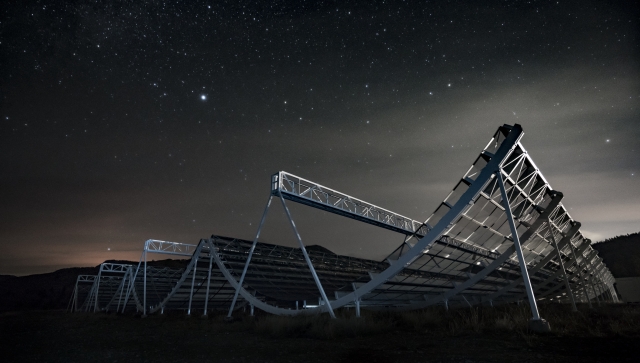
(203, 97)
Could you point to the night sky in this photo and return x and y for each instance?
(124, 121)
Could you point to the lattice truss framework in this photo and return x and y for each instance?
(465, 253)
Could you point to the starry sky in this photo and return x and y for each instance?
(129, 120)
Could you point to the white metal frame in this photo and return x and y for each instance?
(552, 259)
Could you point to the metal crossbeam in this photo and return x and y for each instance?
(169, 248)
(306, 192)
(114, 267)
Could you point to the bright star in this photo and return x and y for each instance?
(203, 97)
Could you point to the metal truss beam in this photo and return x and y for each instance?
(306, 192)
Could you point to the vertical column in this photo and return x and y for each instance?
(206, 297)
(95, 306)
(122, 287)
(144, 305)
(74, 306)
(129, 287)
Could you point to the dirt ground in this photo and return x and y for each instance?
(52, 336)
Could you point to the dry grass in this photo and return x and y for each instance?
(484, 334)
(322, 326)
(605, 321)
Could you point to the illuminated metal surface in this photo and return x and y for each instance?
(463, 254)
(306, 192)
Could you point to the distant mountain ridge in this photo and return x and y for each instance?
(621, 254)
(42, 291)
(53, 290)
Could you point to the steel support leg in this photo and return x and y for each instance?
(122, 287)
(595, 293)
(564, 272)
(592, 276)
(603, 285)
(132, 280)
(144, 305)
(579, 273)
(129, 286)
(467, 301)
(95, 306)
(600, 291)
(74, 298)
(516, 242)
(90, 302)
(306, 257)
(193, 281)
(246, 264)
(615, 294)
(206, 297)
(358, 308)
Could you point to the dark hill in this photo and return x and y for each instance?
(43, 291)
(53, 290)
(621, 254)
(6, 277)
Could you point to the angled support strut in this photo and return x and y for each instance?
(306, 257)
(516, 244)
(564, 271)
(246, 265)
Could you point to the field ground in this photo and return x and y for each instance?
(605, 334)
